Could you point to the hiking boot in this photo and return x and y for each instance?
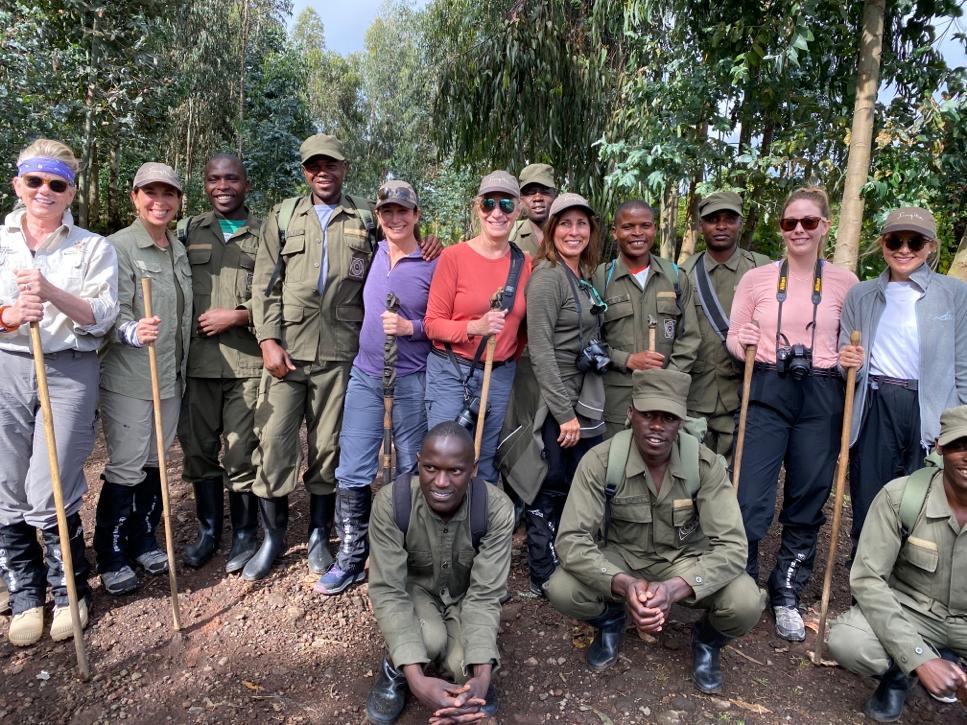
(154, 562)
(388, 695)
(54, 555)
(142, 543)
(119, 581)
(209, 502)
(335, 581)
(610, 626)
(243, 510)
(886, 703)
(789, 624)
(27, 627)
(61, 627)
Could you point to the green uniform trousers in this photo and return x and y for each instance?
(721, 432)
(442, 633)
(733, 610)
(314, 392)
(854, 645)
(213, 408)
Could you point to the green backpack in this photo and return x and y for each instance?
(915, 492)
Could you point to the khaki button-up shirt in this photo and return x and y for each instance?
(651, 528)
(716, 377)
(924, 572)
(124, 369)
(525, 237)
(313, 327)
(438, 557)
(221, 278)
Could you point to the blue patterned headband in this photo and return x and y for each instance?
(47, 166)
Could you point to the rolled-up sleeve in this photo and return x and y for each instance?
(100, 289)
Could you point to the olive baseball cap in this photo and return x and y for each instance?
(499, 182)
(542, 174)
(322, 145)
(397, 192)
(154, 172)
(660, 389)
(911, 219)
(563, 202)
(720, 201)
(953, 425)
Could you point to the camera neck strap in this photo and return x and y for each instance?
(782, 291)
(573, 280)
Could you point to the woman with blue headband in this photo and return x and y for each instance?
(65, 279)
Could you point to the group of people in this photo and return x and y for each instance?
(603, 394)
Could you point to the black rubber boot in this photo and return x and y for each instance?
(55, 561)
(388, 696)
(23, 566)
(706, 644)
(275, 522)
(321, 510)
(114, 509)
(243, 508)
(886, 704)
(147, 514)
(610, 626)
(352, 519)
(209, 503)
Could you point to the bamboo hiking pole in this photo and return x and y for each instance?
(162, 461)
(390, 356)
(485, 385)
(652, 333)
(841, 468)
(750, 351)
(43, 393)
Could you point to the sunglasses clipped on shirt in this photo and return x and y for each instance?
(507, 205)
(809, 223)
(58, 186)
(895, 243)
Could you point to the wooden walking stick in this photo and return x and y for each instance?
(162, 461)
(652, 333)
(485, 385)
(65, 542)
(841, 468)
(390, 355)
(750, 351)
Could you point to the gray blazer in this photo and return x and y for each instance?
(942, 323)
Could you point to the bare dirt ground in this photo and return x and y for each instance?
(274, 651)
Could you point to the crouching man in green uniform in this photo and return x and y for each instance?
(438, 563)
(910, 617)
(661, 527)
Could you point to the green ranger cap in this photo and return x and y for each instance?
(720, 201)
(660, 389)
(953, 425)
(322, 145)
(542, 174)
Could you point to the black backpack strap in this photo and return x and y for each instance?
(402, 502)
(711, 306)
(513, 278)
(479, 519)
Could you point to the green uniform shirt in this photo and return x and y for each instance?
(313, 327)
(626, 325)
(649, 528)
(553, 334)
(125, 369)
(716, 376)
(525, 237)
(438, 557)
(221, 278)
(925, 572)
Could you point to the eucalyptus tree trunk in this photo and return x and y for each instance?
(958, 268)
(86, 179)
(668, 222)
(691, 223)
(861, 137)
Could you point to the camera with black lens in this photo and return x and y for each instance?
(794, 361)
(595, 358)
(467, 417)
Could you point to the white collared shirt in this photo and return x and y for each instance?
(76, 261)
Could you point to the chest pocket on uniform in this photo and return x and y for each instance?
(200, 255)
(685, 520)
(618, 307)
(633, 509)
(420, 561)
(246, 271)
(921, 554)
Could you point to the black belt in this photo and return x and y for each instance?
(465, 360)
(899, 382)
(813, 372)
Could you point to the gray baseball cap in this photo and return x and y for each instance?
(154, 172)
(911, 219)
(397, 192)
(499, 182)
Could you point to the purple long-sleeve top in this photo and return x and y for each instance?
(409, 280)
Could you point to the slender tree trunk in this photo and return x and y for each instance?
(858, 165)
(691, 223)
(669, 214)
(113, 190)
(958, 268)
(188, 155)
(86, 178)
(241, 75)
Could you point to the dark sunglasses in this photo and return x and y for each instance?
(788, 223)
(58, 186)
(895, 244)
(507, 205)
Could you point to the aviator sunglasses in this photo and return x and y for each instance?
(507, 205)
(895, 243)
(58, 186)
(809, 223)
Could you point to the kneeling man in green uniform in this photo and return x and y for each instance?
(909, 583)
(662, 526)
(438, 563)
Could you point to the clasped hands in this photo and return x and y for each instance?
(649, 602)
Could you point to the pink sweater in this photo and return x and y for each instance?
(755, 299)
